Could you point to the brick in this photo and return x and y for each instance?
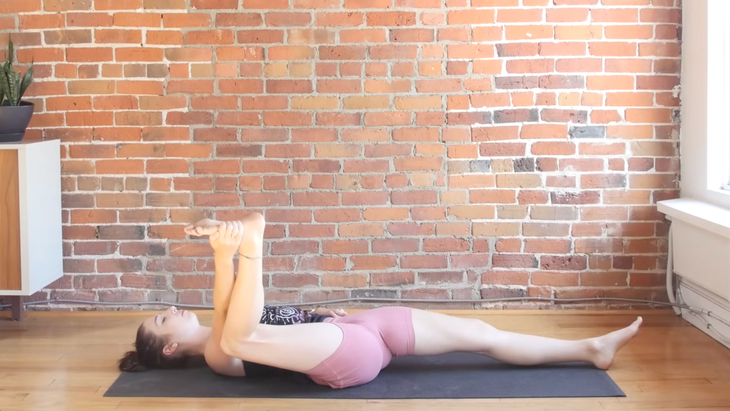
(462, 17)
(440, 277)
(344, 280)
(553, 148)
(607, 49)
(502, 149)
(562, 49)
(493, 196)
(514, 261)
(587, 131)
(579, 65)
(660, 16)
(604, 213)
(603, 181)
(209, 37)
(543, 131)
(423, 261)
(656, 82)
(627, 65)
(555, 278)
(472, 181)
(391, 278)
(511, 277)
(95, 248)
(604, 279)
(565, 15)
(373, 262)
(564, 116)
(339, 19)
(213, 4)
(532, 197)
(294, 280)
(562, 82)
(518, 181)
(515, 116)
(666, 66)
(653, 181)
(563, 263)
(578, 32)
(530, 66)
(615, 15)
(446, 245)
(545, 229)
(610, 82)
(554, 213)
(514, 49)
(528, 32)
(583, 197)
(322, 264)
(523, 82)
(180, 20)
(605, 116)
(499, 292)
(598, 246)
(345, 247)
(119, 265)
(472, 212)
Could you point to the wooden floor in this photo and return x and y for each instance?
(66, 361)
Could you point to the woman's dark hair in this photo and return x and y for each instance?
(148, 354)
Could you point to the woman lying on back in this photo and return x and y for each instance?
(338, 351)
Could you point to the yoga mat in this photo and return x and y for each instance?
(458, 375)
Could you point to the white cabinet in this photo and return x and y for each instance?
(31, 248)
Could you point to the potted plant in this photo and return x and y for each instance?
(15, 113)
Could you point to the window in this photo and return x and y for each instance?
(726, 93)
(718, 95)
(705, 94)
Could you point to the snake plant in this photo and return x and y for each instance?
(12, 85)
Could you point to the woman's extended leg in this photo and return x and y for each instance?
(440, 334)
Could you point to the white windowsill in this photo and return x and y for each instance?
(698, 213)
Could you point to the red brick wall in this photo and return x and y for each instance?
(398, 148)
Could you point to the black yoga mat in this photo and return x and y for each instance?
(445, 376)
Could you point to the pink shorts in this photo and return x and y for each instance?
(370, 340)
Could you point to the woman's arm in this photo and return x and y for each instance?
(247, 299)
(224, 243)
(222, 285)
(245, 338)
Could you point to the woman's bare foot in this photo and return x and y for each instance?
(604, 348)
(253, 235)
(203, 227)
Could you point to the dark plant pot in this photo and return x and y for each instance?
(14, 120)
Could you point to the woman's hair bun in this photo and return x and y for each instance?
(130, 362)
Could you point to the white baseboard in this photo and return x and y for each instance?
(697, 297)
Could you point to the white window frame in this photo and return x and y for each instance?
(705, 93)
(718, 96)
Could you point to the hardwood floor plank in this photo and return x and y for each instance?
(133, 404)
(677, 404)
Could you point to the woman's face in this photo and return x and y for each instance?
(174, 325)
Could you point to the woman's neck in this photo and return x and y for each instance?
(199, 341)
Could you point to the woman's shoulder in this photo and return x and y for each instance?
(222, 363)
